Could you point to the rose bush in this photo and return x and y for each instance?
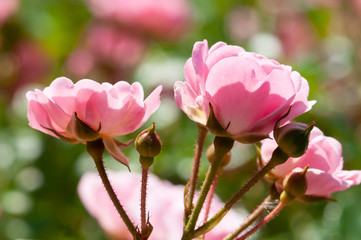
(248, 92)
(164, 201)
(106, 110)
(324, 158)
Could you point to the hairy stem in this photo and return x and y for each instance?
(268, 218)
(202, 133)
(95, 149)
(210, 198)
(278, 157)
(143, 199)
(250, 219)
(222, 147)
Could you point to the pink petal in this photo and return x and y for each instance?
(85, 88)
(217, 53)
(277, 102)
(57, 116)
(199, 55)
(121, 90)
(300, 103)
(217, 46)
(38, 118)
(333, 151)
(190, 76)
(138, 93)
(151, 104)
(351, 177)
(117, 117)
(62, 92)
(191, 104)
(232, 93)
(323, 184)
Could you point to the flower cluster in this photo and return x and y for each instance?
(233, 94)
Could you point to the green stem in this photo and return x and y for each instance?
(202, 133)
(268, 218)
(222, 146)
(95, 150)
(250, 219)
(210, 198)
(278, 157)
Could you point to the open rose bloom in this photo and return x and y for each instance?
(164, 204)
(247, 91)
(108, 110)
(324, 158)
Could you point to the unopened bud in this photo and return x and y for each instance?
(293, 138)
(294, 185)
(148, 145)
(82, 131)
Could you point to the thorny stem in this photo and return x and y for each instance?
(250, 219)
(268, 218)
(98, 144)
(222, 147)
(143, 199)
(278, 157)
(202, 133)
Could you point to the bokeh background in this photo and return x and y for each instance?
(44, 39)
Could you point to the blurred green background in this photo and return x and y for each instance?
(39, 174)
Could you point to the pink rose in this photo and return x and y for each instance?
(109, 110)
(164, 204)
(162, 18)
(247, 91)
(324, 157)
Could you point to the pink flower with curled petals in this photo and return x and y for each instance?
(165, 19)
(107, 110)
(164, 204)
(324, 158)
(248, 92)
